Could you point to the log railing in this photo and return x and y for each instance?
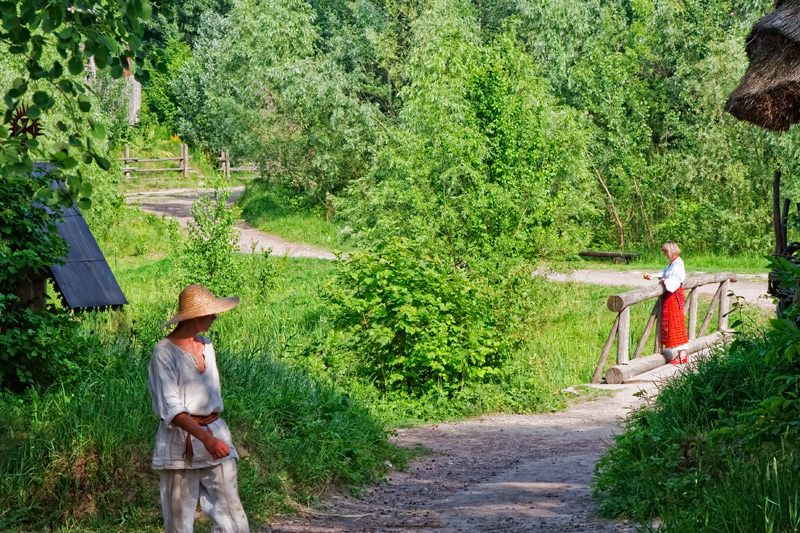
(227, 165)
(621, 304)
(182, 160)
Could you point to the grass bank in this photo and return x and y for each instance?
(716, 450)
(271, 209)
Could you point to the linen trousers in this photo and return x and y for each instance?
(215, 487)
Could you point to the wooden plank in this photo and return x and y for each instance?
(171, 169)
(179, 158)
(710, 312)
(722, 324)
(606, 350)
(608, 255)
(617, 302)
(692, 302)
(621, 373)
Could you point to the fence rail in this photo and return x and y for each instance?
(182, 159)
(227, 164)
(621, 304)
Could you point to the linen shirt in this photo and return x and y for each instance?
(177, 386)
(674, 275)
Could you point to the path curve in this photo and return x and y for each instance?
(495, 473)
(752, 288)
(177, 203)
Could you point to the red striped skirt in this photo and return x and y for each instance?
(673, 324)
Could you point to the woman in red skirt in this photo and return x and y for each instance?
(673, 324)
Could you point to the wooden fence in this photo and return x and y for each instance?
(621, 304)
(182, 159)
(227, 165)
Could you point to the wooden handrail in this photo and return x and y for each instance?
(621, 303)
(618, 302)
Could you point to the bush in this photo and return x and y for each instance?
(208, 257)
(412, 322)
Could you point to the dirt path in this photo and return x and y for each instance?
(177, 203)
(751, 288)
(499, 473)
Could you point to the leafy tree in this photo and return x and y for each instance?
(50, 44)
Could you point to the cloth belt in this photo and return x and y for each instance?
(204, 421)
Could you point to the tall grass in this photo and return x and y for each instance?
(692, 459)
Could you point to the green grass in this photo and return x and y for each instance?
(695, 459)
(269, 208)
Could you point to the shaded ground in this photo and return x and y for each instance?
(499, 473)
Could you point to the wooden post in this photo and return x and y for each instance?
(660, 318)
(598, 372)
(623, 336)
(228, 164)
(710, 313)
(776, 212)
(185, 160)
(723, 307)
(693, 314)
(647, 330)
(127, 161)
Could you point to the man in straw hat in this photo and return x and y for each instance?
(193, 449)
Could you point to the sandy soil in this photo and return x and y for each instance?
(499, 473)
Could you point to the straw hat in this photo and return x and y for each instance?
(196, 301)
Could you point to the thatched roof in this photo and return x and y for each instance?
(769, 93)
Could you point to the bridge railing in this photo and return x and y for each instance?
(621, 331)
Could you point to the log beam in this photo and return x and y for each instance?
(621, 373)
(618, 302)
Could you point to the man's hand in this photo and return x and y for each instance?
(216, 447)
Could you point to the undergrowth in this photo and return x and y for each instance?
(709, 453)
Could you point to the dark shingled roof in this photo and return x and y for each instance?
(769, 93)
(85, 280)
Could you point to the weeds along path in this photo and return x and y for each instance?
(498, 473)
(177, 203)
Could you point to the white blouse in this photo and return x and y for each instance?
(177, 386)
(674, 275)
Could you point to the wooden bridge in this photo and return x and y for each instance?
(628, 366)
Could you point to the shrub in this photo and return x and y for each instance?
(209, 255)
(412, 322)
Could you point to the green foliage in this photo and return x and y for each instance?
(208, 257)
(158, 92)
(412, 322)
(109, 31)
(35, 346)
